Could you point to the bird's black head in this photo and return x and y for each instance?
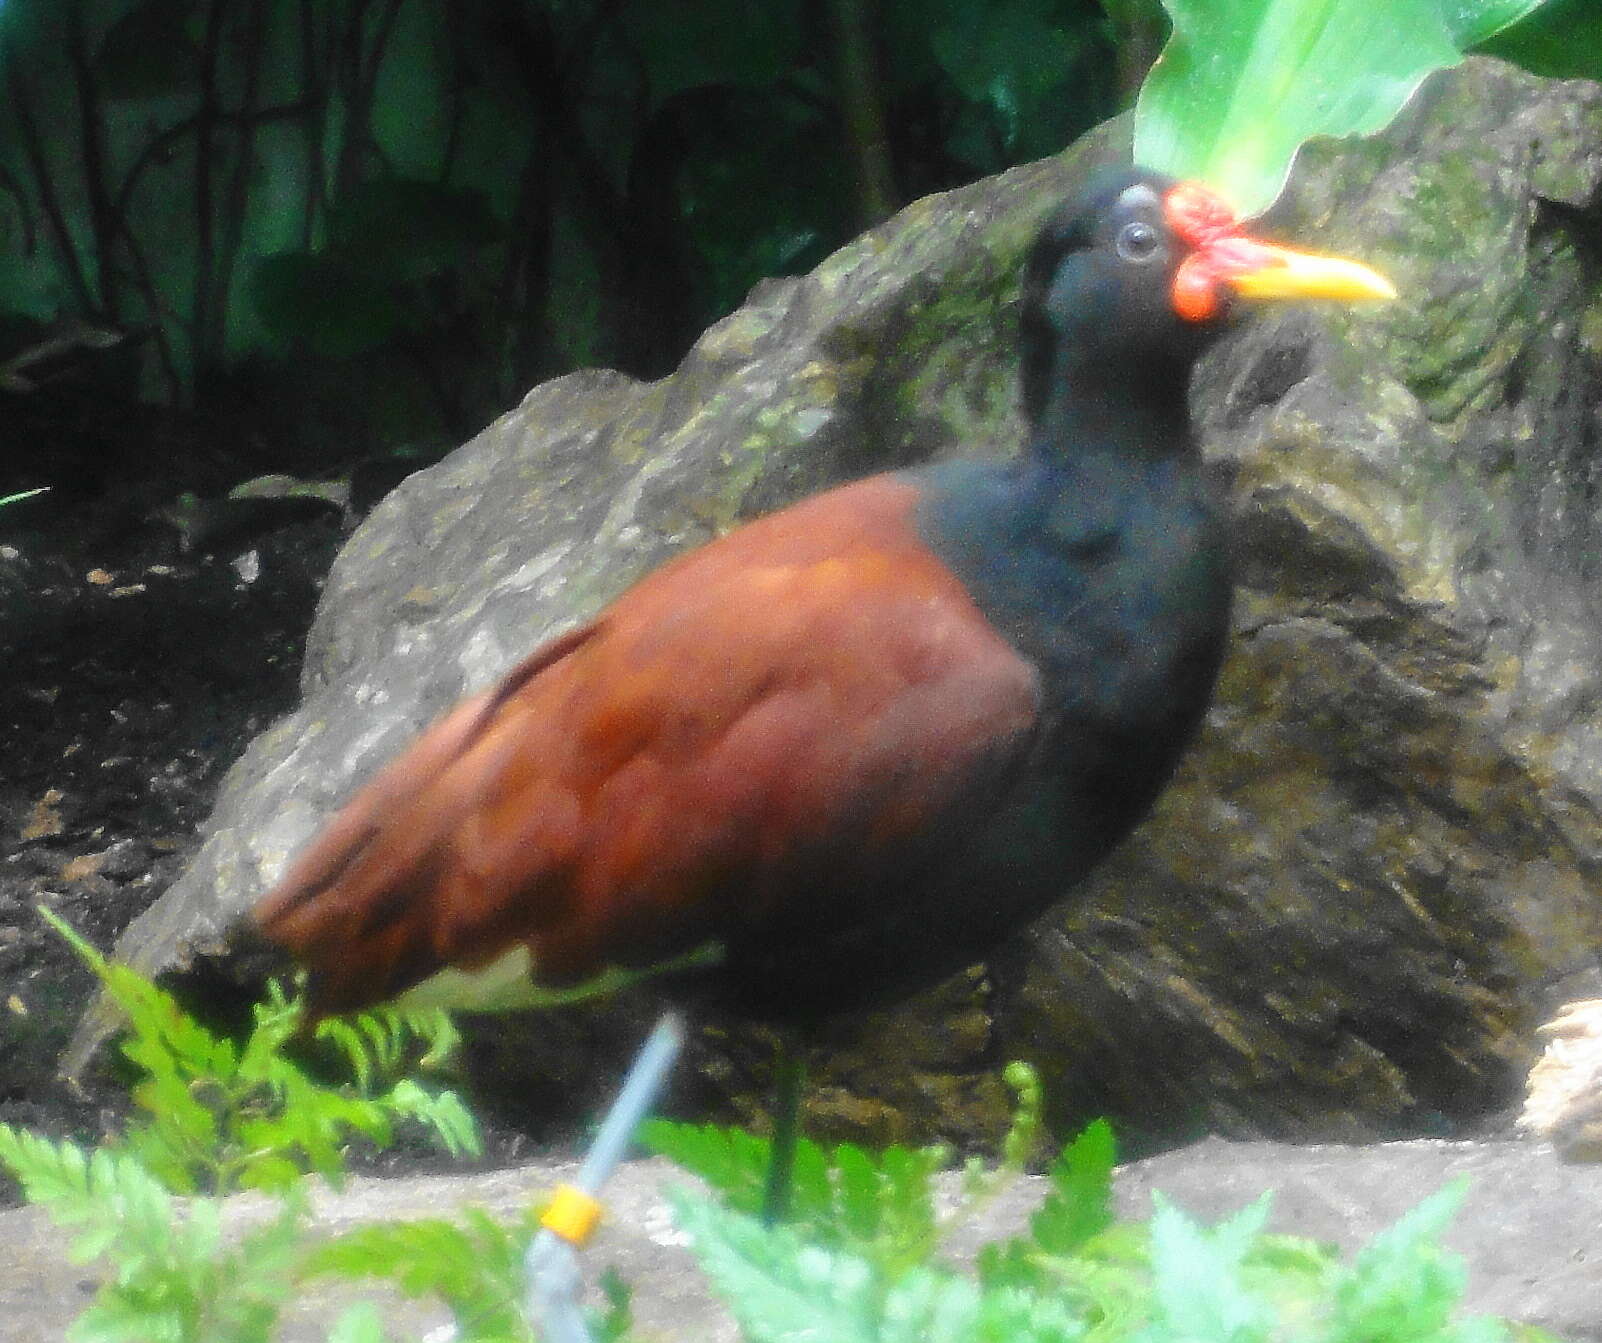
(1127, 285)
(1096, 290)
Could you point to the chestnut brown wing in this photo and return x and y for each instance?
(814, 693)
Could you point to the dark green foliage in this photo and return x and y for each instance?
(147, 53)
(331, 304)
(386, 241)
(684, 46)
(422, 208)
(410, 230)
(1023, 70)
(1561, 39)
(464, 197)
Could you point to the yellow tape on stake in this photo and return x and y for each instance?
(573, 1215)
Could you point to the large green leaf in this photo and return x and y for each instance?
(1242, 83)
(1473, 21)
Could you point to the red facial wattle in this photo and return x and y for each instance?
(1222, 256)
(1197, 288)
(1199, 216)
(1207, 223)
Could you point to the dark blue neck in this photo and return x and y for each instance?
(1133, 410)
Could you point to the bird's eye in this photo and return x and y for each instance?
(1137, 241)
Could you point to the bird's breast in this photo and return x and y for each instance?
(1144, 625)
(1117, 590)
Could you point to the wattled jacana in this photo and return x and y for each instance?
(846, 749)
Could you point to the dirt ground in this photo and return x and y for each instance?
(134, 675)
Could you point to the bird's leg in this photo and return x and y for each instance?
(789, 1077)
(551, 1266)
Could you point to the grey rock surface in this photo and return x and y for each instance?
(1529, 1230)
(1380, 865)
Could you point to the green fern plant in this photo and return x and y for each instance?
(862, 1263)
(220, 1116)
(474, 1266)
(882, 1206)
(217, 1117)
(174, 1275)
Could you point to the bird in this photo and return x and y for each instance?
(846, 749)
